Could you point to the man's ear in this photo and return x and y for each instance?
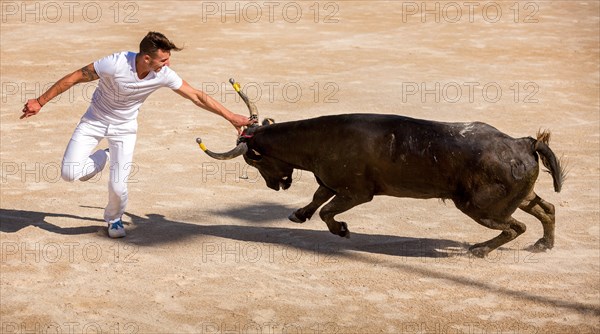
(147, 58)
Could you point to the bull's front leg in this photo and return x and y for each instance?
(322, 195)
(337, 205)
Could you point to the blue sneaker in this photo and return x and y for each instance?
(116, 229)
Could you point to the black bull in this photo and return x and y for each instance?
(486, 173)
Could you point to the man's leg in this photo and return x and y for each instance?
(121, 156)
(77, 162)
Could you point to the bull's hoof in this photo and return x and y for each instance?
(344, 231)
(542, 245)
(479, 251)
(293, 217)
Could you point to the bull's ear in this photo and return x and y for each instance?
(268, 121)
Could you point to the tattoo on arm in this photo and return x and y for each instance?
(89, 74)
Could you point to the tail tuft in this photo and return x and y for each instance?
(543, 136)
(549, 160)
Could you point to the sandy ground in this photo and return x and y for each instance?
(209, 247)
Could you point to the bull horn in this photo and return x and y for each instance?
(235, 152)
(249, 104)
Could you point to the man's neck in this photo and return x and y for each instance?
(140, 67)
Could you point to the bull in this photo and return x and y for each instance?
(486, 173)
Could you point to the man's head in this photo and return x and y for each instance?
(155, 48)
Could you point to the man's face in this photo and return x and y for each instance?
(160, 59)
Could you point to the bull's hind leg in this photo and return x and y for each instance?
(510, 227)
(337, 205)
(544, 211)
(492, 208)
(322, 195)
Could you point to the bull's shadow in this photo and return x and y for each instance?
(156, 229)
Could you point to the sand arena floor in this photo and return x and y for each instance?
(209, 247)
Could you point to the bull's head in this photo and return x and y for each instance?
(276, 173)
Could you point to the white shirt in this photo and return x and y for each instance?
(120, 92)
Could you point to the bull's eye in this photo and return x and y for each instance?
(253, 155)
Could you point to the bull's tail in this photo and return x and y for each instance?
(549, 160)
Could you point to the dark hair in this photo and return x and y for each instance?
(154, 41)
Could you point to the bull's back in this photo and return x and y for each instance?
(425, 159)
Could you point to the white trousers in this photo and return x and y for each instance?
(78, 163)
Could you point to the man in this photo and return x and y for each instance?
(126, 80)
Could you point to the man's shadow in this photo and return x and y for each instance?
(14, 220)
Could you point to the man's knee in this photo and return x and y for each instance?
(72, 171)
(68, 172)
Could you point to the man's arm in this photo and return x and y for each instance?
(84, 74)
(206, 102)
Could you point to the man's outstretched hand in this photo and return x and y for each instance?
(31, 108)
(238, 121)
